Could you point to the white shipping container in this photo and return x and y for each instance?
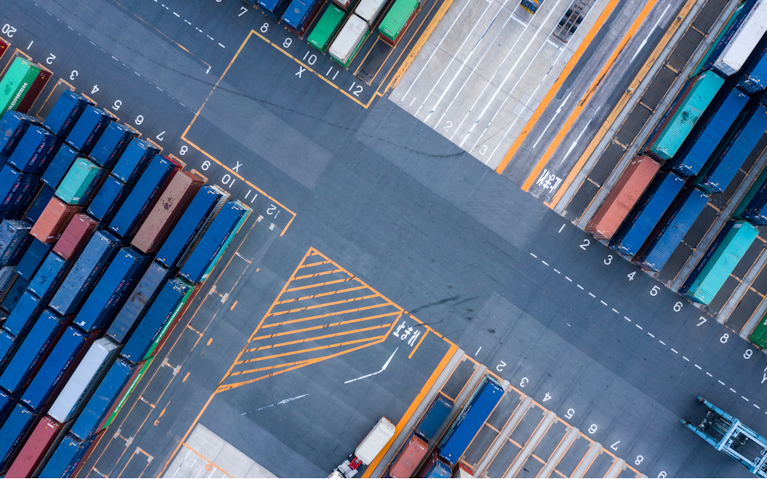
(368, 10)
(350, 36)
(744, 41)
(375, 441)
(84, 380)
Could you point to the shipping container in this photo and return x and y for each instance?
(33, 351)
(344, 4)
(369, 10)
(109, 199)
(35, 150)
(14, 240)
(50, 275)
(8, 345)
(40, 202)
(138, 303)
(753, 79)
(720, 259)
(134, 160)
(725, 36)
(30, 185)
(7, 275)
(80, 182)
(274, 8)
(349, 41)
(3, 47)
(112, 143)
(709, 131)
(143, 196)
(7, 402)
(743, 41)
(192, 225)
(169, 326)
(89, 128)
(14, 291)
(648, 211)
(59, 166)
(112, 290)
(75, 236)
(163, 310)
(624, 195)
(124, 394)
(14, 433)
(32, 259)
(12, 183)
(750, 194)
(66, 457)
(434, 417)
(33, 93)
(43, 438)
(409, 457)
(730, 156)
(24, 315)
(57, 367)
(326, 28)
(300, 14)
(172, 203)
(16, 82)
(671, 229)
(397, 20)
(85, 273)
(224, 227)
(66, 112)
(463, 471)
(435, 467)
(84, 381)
(106, 395)
(375, 440)
(13, 125)
(467, 424)
(54, 220)
(681, 116)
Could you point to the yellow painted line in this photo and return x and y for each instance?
(418, 345)
(307, 350)
(675, 24)
(317, 285)
(317, 338)
(323, 273)
(337, 313)
(323, 305)
(413, 406)
(314, 264)
(325, 326)
(320, 295)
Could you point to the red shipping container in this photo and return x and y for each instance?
(34, 91)
(53, 220)
(3, 47)
(623, 197)
(409, 457)
(167, 211)
(35, 448)
(74, 237)
(181, 165)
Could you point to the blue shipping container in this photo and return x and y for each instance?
(50, 275)
(434, 417)
(14, 239)
(66, 112)
(435, 468)
(297, 13)
(198, 263)
(709, 131)
(28, 188)
(86, 425)
(193, 219)
(138, 303)
(40, 202)
(133, 161)
(88, 129)
(112, 143)
(35, 150)
(24, 315)
(109, 198)
(467, 425)
(13, 125)
(14, 293)
(60, 164)
(274, 8)
(151, 324)
(96, 255)
(727, 160)
(7, 401)
(14, 432)
(112, 290)
(8, 345)
(11, 182)
(66, 457)
(32, 259)
(142, 198)
(58, 366)
(753, 79)
(33, 350)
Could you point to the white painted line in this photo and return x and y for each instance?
(720, 382)
(615, 311)
(592, 295)
(548, 40)
(603, 302)
(731, 389)
(757, 406)
(176, 14)
(578, 285)
(386, 365)
(137, 73)
(544, 262)
(661, 342)
(675, 351)
(709, 374)
(567, 324)
(115, 58)
(644, 42)
(572, 146)
(638, 326)
(745, 398)
(568, 279)
(556, 113)
(698, 367)
(531, 254)
(198, 29)
(221, 45)
(651, 335)
(187, 22)
(519, 21)
(627, 319)
(557, 271)
(685, 358)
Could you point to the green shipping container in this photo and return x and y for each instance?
(172, 319)
(15, 83)
(326, 28)
(78, 180)
(719, 267)
(128, 393)
(396, 21)
(759, 334)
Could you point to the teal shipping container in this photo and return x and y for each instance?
(720, 259)
(80, 178)
(680, 117)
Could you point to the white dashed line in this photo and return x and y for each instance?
(187, 22)
(685, 358)
(137, 73)
(757, 406)
(70, 28)
(661, 342)
(115, 58)
(745, 398)
(531, 254)
(699, 367)
(720, 382)
(568, 279)
(176, 14)
(158, 88)
(675, 351)
(198, 29)
(615, 311)
(651, 335)
(709, 374)
(592, 295)
(568, 324)
(731, 389)
(221, 45)
(603, 302)
(544, 262)
(638, 326)
(557, 271)
(627, 319)
(578, 285)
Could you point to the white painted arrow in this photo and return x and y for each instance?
(386, 365)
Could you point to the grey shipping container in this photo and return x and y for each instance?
(138, 303)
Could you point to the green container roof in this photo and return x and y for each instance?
(13, 80)
(325, 29)
(394, 21)
(77, 181)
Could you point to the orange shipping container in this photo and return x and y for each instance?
(167, 211)
(623, 197)
(410, 456)
(53, 220)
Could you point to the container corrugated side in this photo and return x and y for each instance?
(103, 398)
(754, 79)
(89, 128)
(434, 417)
(397, 20)
(35, 151)
(750, 194)
(109, 199)
(15, 82)
(759, 335)
(32, 259)
(65, 112)
(112, 143)
(326, 28)
(369, 10)
(13, 125)
(24, 315)
(138, 303)
(125, 393)
(14, 292)
(743, 42)
(48, 278)
(298, 13)
(349, 40)
(134, 160)
(40, 202)
(43, 437)
(232, 234)
(8, 345)
(172, 321)
(274, 8)
(79, 179)
(14, 240)
(75, 236)
(53, 220)
(408, 459)
(66, 457)
(14, 432)
(60, 164)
